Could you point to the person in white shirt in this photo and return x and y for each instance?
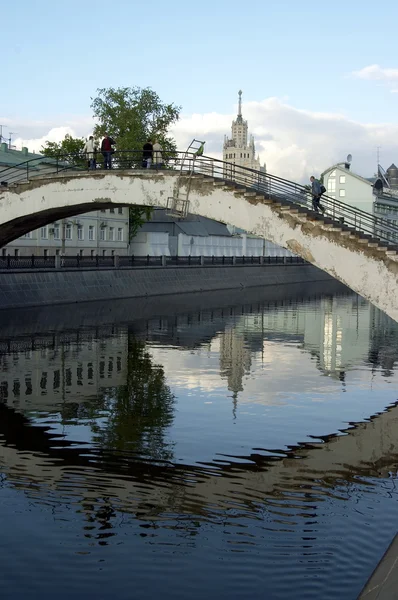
(157, 155)
(90, 150)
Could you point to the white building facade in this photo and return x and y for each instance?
(376, 195)
(348, 187)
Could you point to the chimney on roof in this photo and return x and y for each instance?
(3, 147)
(25, 151)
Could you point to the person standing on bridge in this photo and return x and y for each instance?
(147, 155)
(157, 155)
(107, 151)
(90, 150)
(316, 195)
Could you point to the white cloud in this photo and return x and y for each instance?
(294, 143)
(33, 134)
(376, 73)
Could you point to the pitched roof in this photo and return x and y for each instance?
(346, 172)
(13, 158)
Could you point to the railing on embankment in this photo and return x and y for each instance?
(16, 263)
(271, 187)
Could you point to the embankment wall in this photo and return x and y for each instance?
(40, 288)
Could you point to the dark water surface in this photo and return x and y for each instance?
(243, 447)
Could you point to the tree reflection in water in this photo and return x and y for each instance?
(139, 411)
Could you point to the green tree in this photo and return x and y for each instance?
(131, 116)
(137, 217)
(68, 150)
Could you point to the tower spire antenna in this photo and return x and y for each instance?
(240, 103)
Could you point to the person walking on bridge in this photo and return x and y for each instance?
(316, 195)
(107, 151)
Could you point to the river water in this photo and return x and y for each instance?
(245, 446)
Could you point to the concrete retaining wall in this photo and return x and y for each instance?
(38, 288)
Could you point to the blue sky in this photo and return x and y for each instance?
(198, 55)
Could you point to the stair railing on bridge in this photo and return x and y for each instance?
(278, 190)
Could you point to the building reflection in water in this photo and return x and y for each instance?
(40, 373)
(129, 407)
(90, 440)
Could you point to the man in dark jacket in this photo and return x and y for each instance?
(147, 155)
(107, 151)
(316, 195)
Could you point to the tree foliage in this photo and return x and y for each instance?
(130, 116)
(69, 148)
(137, 217)
(133, 115)
(140, 411)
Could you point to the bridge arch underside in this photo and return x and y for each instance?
(366, 270)
(17, 227)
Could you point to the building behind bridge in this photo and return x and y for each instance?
(376, 195)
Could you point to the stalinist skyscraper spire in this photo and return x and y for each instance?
(237, 150)
(240, 105)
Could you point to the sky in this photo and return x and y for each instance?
(319, 80)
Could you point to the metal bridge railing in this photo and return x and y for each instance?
(33, 262)
(268, 186)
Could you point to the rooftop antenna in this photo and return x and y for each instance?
(9, 139)
(378, 148)
(1, 133)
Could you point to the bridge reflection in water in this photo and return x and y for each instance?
(89, 418)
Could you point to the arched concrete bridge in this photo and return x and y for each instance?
(366, 264)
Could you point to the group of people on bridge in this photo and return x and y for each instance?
(152, 158)
(151, 153)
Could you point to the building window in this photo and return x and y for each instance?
(16, 252)
(331, 186)
(120, 234)
(113, 253)
(27, 235)
(342, 193)
(92, 253)
(81, 252)
(332, 174)
(104, 253)
(342, 179)
(111, 234)
(68, 232)
(4, 252)
(44, 233)
(80, 232)
(57, 252)
(56, 232)
(112, 210)
(120, 210)
(102, 234)
(102, 209)
(91, 232)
